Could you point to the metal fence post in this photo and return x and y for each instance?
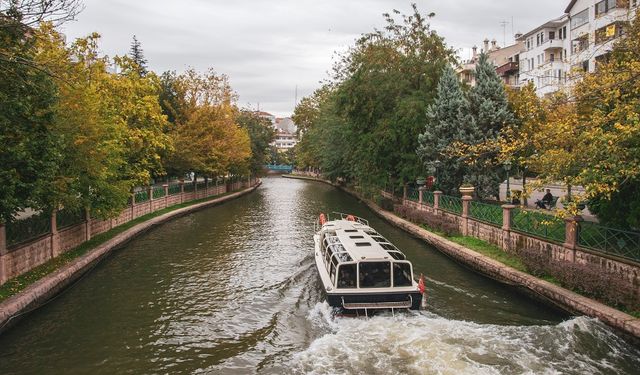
(181, 191)
(54, 237)
(3, 252)
(466, 205)
(506, 226)
(150, 193)
(166, 195)
(87, 224)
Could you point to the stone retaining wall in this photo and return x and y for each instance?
(24, 257)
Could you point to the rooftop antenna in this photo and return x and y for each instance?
(296, 96)
(504, 32)
(512, 32)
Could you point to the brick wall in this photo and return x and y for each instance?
(512, 241)
(22, 258)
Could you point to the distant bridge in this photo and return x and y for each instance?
(280, 168)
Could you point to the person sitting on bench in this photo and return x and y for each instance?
(545, 201)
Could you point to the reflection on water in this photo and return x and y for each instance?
(233, 289)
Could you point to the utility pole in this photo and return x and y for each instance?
(296, 103)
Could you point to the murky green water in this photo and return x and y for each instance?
(233, 289)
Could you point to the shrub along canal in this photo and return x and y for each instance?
(233, 289)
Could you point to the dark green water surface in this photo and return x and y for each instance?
(233, 289)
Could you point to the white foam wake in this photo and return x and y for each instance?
(424, 343)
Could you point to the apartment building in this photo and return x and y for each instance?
(545, 59)
(593, 27)
(504, 59)
(554, 54)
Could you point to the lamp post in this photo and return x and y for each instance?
(436, 164)
(507, 167)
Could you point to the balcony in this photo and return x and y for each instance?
(553, 44)
(507, 68)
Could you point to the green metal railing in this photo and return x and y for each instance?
(428, 198)
(66, 218)
(24, 230)
(174, 189)
(489, 213)
(158, 192)
(538, 224)
(141, 196)
(618, 242)
(451, 204)
(188, 188)
(201, 185)
(413, 194)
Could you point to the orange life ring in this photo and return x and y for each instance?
(351, 218)
(323, 219)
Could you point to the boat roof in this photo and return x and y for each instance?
(362, 242)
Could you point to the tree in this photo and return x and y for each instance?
(90, 134)
(383, 87)
(209, 141)
(261, 134)
(28, 94)
(490, 113)
(607, 105)
(33, 12)
(447, 121)
(137, 55)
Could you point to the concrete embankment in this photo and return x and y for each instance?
(557, 295)
(47, 287)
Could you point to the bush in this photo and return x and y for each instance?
(604, 286)
(384, 203)
(448, 226)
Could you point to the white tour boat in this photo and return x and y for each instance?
(360, 269)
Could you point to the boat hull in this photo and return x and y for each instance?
(384, 300)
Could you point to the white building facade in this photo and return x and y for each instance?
(545, 60)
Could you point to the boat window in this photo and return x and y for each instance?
(347, 276)
(402, 274)
(379, 239)
(356, 237)
(343, 257)
(388, 246)
(351, 231)
(375, 274)
(363, 244)
(397, 255)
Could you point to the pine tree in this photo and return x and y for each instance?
(137, 55)
(490, 112)
(447, 121)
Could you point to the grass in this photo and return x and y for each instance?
(19, 283)
(489, 250)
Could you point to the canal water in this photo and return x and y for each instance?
(233, 290)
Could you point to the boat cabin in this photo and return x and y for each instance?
(358, 257)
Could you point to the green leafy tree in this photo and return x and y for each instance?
(447, 122)
(261, 134)
(28, 155)
(384, 86)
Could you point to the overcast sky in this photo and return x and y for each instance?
(267, 48)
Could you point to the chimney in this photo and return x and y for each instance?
(518, 36)
(493, 45)
(475, 52)
(486, 46)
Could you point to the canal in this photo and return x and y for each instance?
(233, 289)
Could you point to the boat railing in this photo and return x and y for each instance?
(317, 226)
(344, 216)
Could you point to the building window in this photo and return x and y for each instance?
(552, 35)
(585, 65)
(604, 6)
(580, 44)
(580, 19)
(609, 32)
